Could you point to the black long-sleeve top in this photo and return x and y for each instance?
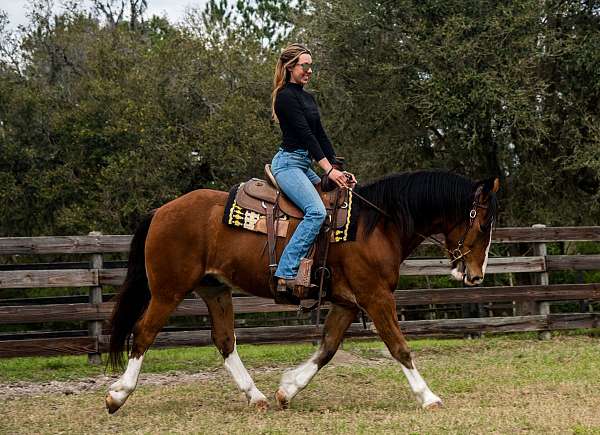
(300, 122)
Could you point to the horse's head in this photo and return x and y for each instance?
(469, 241)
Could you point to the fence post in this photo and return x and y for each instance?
(543, 308)
(95, 297)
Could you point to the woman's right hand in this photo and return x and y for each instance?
(338, 177)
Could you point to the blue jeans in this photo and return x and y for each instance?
(296, 179)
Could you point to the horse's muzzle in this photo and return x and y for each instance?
(476, 280)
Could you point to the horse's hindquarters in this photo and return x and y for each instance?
(187, 241)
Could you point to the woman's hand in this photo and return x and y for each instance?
(339, 177)
(351, 179)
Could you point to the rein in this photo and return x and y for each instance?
(383, 212)
(455, 255)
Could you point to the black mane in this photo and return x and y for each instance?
(416, 198)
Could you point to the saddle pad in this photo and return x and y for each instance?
(239, 217)
(345, 229)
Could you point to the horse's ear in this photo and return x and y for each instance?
(485, 187)
(492, 184)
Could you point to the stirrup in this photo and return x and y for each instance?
(292, 288)
(285, 285)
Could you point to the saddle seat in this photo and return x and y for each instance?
(257, 195)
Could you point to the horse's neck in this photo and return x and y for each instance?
(405, 245)
(419, 235)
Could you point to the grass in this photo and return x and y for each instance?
(509, 384)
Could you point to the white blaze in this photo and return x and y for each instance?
(487, 253)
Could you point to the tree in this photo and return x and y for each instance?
(478, 87)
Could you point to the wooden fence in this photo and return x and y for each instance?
(96, 273)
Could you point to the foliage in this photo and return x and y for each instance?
(478, 87)
(107, 113)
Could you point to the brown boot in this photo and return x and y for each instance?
(284, 292)
(286, 285)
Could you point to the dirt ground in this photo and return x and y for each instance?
(15, 390)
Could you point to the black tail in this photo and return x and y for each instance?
(133, 298)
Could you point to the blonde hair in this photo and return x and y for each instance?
(288, 57)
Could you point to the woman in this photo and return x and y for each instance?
(303, 140)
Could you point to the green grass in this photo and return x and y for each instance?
(189, 359)
(195, 359)
(501, 384)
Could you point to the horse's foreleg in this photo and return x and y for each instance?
(145, 332)
(220, 307)
(293, 381)
(382, 309)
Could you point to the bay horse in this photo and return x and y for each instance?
(184, 243)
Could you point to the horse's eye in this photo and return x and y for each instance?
(487, 226)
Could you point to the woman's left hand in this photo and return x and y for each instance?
(351, 178)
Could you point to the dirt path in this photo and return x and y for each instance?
(33, 389)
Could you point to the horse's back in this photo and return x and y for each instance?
(188, 240)
(189, 215)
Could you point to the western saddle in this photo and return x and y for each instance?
(270, 213)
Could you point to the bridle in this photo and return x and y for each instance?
(457, 255)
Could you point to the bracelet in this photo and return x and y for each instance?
(329, 172)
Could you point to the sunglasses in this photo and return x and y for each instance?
(308, 66)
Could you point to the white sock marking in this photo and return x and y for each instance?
(418, 386)
(120, 390)
(293, 381)
(242, 378)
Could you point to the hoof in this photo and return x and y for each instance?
(432, 406)
(282, 400)
(261, 405)
(111, 405)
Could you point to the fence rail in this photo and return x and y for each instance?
(96, 312)
(433, 267)
(103, 244)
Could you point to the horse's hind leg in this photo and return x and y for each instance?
(293, 381)
(146, 329)
(220, 307)
(381, 307)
